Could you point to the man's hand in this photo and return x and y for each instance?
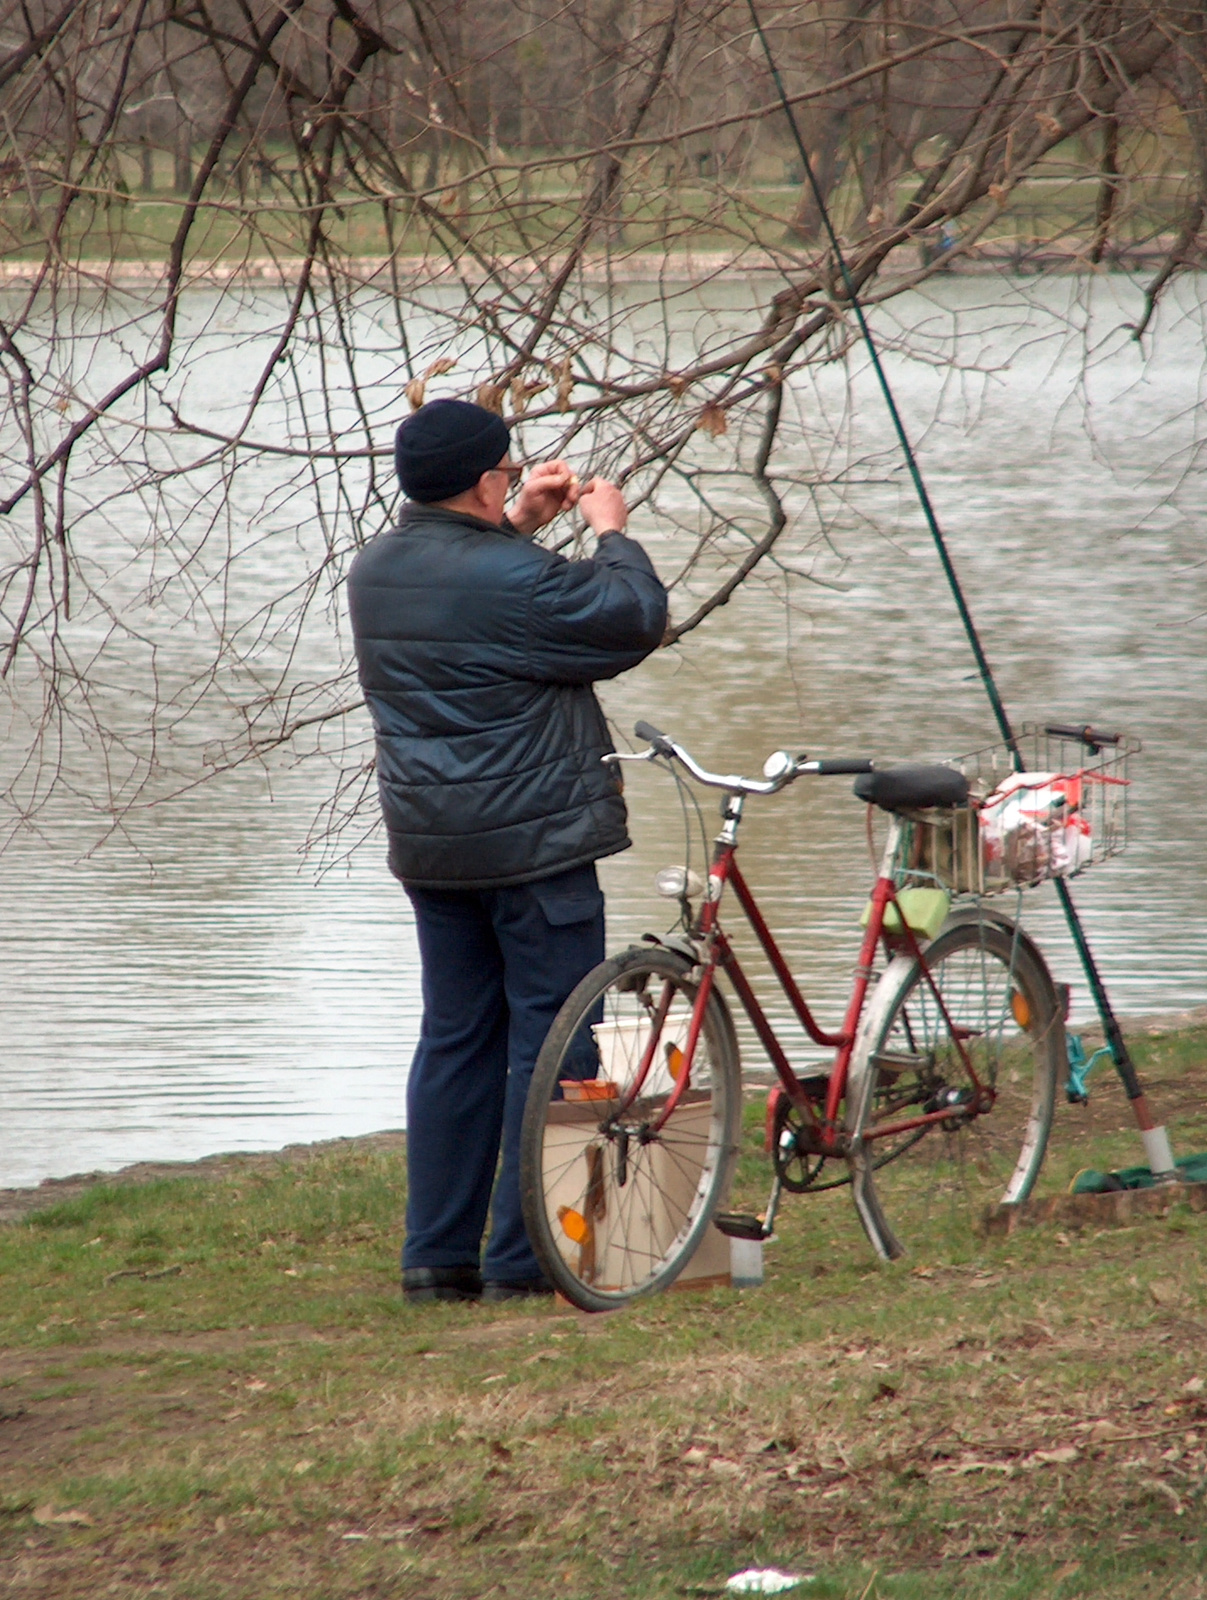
(548, 490)
(602, 504)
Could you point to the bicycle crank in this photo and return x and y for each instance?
(795, 1156)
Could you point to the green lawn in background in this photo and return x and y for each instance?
(539, 212)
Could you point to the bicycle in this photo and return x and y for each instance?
(945, 1069)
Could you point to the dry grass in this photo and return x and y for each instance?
(1014, 1417)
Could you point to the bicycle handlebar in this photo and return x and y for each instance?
(795, 766)
(1091, 737)
(651, 735)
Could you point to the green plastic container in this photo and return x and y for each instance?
(925, 911)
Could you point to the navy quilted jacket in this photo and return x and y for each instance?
(477, 651)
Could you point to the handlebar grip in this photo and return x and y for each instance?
(651, 735)
(1092, 737)
(843, 766)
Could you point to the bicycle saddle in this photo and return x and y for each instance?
(913, 787)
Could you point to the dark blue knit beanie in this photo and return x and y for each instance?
(445, 447)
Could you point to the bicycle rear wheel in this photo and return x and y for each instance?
(992, 1006)
(614, 1207)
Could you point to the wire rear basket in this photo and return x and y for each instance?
(1067, 809)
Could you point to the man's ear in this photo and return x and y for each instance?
(481, 493)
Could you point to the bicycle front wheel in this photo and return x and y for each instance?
(984, 1001)
(616, 1206)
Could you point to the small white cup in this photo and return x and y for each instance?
(745, 1263)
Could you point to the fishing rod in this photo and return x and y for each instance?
(1156, 1142)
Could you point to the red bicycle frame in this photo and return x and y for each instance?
(717, 952)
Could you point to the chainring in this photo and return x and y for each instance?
(797, 1168)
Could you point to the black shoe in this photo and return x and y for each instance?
(441, 1283)
(524, 1289)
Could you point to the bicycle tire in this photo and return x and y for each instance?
(612, 1213)
(1002, 1003)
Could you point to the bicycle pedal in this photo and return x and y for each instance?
(739, 1225)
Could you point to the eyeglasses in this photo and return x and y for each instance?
(514, 474)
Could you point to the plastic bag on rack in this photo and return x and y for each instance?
(1033, 826)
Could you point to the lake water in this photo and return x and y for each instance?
(193, 986)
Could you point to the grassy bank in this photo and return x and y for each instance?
(209, 1388)
(517, 217)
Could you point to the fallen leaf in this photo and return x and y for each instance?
(1062, 1456)
(1163, 1488)
(1165, 1291)
(45, 1515)
(1193, 1386)
(724, 1468)
(255, 1385)
(695, 1457)
(302, 1466)
(1104, 1428)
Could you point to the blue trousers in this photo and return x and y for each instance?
(497, 965)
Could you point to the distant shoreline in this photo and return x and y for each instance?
(17, 1204)
(683, 266)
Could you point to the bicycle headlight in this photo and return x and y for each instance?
(678, 883)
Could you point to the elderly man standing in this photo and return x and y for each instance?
(477, 651)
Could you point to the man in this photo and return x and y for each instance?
(477, 651)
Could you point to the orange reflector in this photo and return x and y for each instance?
(674, 1059)
(1020, 1008)
(574, 1225)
